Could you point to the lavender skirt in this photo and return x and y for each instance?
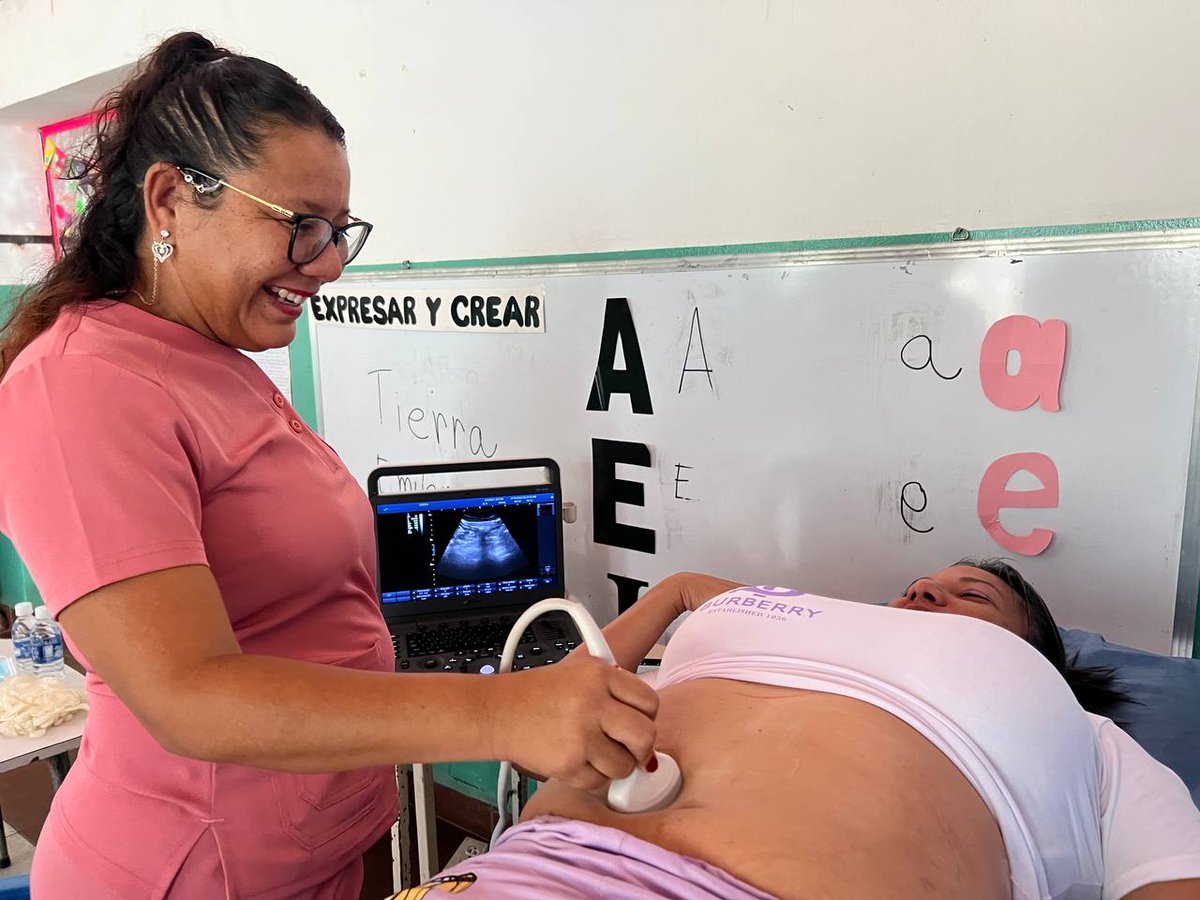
(560, 859)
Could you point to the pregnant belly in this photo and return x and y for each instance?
(805, 794)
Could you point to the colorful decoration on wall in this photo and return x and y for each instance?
(68, 187)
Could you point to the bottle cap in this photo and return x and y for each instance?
(24, 608)
(41, 613)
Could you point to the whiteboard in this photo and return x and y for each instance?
(801, 421)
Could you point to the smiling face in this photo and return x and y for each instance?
(967, 591)
(230, 263)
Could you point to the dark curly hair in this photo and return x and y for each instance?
(189, 103)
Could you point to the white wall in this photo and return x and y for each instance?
(24, 208)
(482, 129)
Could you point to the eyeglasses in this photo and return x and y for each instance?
(310, 234)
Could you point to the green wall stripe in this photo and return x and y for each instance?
(6, 291)
(475, 779)
(304, 382)
(932, 238)
(15, 583)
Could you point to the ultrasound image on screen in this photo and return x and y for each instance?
(467, 548)
(481, 549)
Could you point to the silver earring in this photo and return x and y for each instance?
(161, 251)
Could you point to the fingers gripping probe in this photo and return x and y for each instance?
(639, 791)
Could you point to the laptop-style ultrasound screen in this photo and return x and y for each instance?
(467, 547)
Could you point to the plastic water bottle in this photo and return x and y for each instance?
(22, 638)
(47, 646)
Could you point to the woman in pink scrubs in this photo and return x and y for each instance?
(209, 557)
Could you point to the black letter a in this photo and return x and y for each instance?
(618, 323)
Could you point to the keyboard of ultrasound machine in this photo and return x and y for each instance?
(476, 645)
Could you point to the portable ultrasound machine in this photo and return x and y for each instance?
(457, 567)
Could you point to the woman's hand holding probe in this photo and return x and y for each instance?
(582, 720)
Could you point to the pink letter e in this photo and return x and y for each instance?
(994, 496)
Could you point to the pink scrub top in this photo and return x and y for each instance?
(131, 444)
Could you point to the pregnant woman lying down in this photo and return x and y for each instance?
(842, 750)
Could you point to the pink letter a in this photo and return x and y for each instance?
(1043, 350)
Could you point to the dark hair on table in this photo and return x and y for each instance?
(191, 104)
(1095, 688)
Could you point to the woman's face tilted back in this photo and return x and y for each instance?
(229, 255)
(967, 591)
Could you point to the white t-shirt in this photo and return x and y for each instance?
(1084, 811)
(1149, 827)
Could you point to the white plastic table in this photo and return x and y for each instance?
(53, 746)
